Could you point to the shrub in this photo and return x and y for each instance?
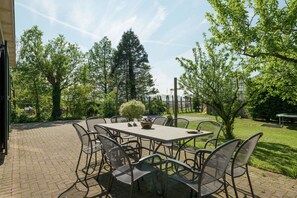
(132, 109)
(108, 105)
(157, 107)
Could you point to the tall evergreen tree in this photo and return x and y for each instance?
(131, 69)
(100, 61)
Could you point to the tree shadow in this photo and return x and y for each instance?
(280, 156)
(36, 125)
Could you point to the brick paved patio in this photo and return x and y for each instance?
(42, 159)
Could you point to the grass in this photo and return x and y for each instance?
(276, 151)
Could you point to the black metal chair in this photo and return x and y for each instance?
(118, 119)
(159, 120)
(131, 147)
(207, 125)
(239, 165)
(179, 123)
(89, 147)
(121, 167)
(92, 121)
(210, 177)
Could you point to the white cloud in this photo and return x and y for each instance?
(153, 24)
(34, 11)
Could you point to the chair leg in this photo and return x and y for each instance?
(131, 190)
(234, 185)
(225, 186)
(249, 179)
(110, 182)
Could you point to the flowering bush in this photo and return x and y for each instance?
(132, 109)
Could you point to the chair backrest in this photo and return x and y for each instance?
(160, 120)
(179, 122)
(91, 121)
(82, 134)
(213, 126)
(115, 154)
(215, 166)
(245, 150)
(103, 131)
(116, 119)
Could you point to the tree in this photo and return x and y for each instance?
(264, 34)
(61, 61)
(256, 28)
(100, 61)
(29, 63)
(131, 69)
(216, 81)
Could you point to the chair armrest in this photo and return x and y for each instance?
(199, 157)
(209, 141)
(153, 160)
(176, 169)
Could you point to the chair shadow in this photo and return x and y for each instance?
(278, 155)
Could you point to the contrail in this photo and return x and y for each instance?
(57, 21)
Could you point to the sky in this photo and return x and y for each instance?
(166, 28)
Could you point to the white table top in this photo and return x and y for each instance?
(157, 132)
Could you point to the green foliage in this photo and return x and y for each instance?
(196, 104)
(157, 107)
(108, 105)
(61, 61)
(100, 61)
(75, 100)
(132, 109)
(264, 34)
(265, 106)
(276, 151)
(216, 81)
(28, 70)
(131, 70)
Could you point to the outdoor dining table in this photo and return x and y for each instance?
(158, 133)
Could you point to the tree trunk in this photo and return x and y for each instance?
(228, 129)
(56, 99)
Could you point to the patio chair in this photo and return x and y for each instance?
(89, 147)
(207, 125)
(207, 180)
(91, 121)
(132, 147)
(118, 119)
(159, 120)
(179, 123)
(121, 167)
(239, 165)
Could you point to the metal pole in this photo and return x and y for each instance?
(175, 100)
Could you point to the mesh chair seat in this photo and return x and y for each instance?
(121, 166)
(237, 172)
(211, 177)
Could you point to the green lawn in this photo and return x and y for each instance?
(277, 149)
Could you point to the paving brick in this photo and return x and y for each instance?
(43, 156)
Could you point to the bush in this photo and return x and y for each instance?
(157, 107)
(108, 106)
(132, 109)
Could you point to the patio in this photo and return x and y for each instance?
(42, 158)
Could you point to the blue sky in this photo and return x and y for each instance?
(166, 28)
